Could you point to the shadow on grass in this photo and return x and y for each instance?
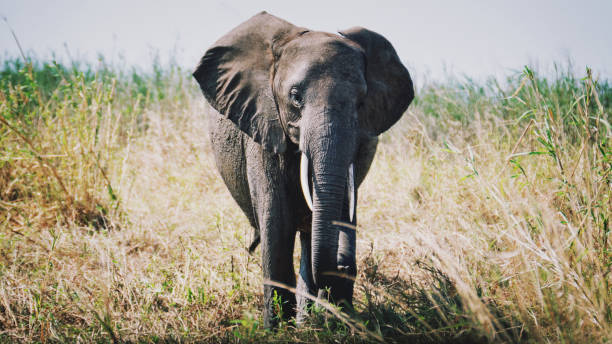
(429, 310)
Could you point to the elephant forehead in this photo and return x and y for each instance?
(322, 46)
(317, 54)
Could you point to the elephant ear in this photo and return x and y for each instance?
(390, 88)
(234, 75)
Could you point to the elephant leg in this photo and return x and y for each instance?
(305, 284)
(277, 265)
(277, 233)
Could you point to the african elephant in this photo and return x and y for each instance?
(299, 107)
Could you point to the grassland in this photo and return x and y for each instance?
(485, 217)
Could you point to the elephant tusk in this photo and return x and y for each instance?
(351, 191)
(304, 180)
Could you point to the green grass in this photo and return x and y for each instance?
(485, 217)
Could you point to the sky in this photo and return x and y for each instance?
(476, 38)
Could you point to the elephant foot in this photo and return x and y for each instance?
(280, 306)
(302, 312)
(304, 303)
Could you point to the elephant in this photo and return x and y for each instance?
(294, 127)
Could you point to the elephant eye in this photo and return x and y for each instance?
(295, 97)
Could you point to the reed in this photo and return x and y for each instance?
(485, 217)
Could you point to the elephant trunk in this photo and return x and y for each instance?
(333, 245)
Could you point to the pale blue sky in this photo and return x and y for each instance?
(478, 38)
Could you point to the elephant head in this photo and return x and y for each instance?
(285, 85)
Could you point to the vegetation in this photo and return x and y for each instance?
(485, 217)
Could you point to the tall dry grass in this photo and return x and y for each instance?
(485, 217)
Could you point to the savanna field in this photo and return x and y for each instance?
(484, 218)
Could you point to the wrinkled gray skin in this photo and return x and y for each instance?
(280, 91)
